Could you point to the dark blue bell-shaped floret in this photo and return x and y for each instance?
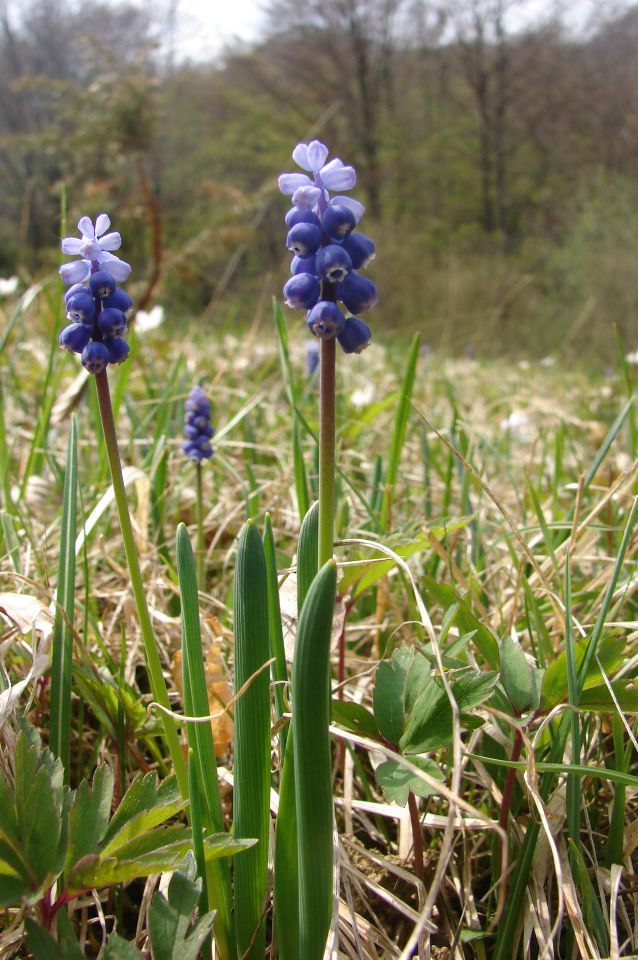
(76, 288)
(74, 337)
(357, 293)
(360, 248)
(304, 239)
(355, 335)
(198, 429)
(337, 221)
(81, 307)
(325, 320)
(333, 263)
(118, 349)
(102, 284)
(301, 215)
(303, 265)
(112, 322)
(95, 357)
(119, 299)
(302, 292)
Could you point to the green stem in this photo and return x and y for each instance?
(158, 684)
(327, 450)
(200, 553)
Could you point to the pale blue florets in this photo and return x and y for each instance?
(326, 251)
(94, 304)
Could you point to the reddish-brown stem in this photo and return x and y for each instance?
(510, 779)
(417, 837)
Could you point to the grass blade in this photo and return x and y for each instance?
(252, 741)
(62, 652)
(398, 438)
(279, 670)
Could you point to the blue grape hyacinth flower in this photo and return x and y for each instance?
(327, 252)
(95, 305)
(198, 430)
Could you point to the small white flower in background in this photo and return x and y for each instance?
(515, 423)
(362, 396)
(548, 361)
(8, 286)
(149, 320)
(632, 357)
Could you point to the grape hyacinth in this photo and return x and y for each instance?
(327, 252)
(198, 430)
(95, 305)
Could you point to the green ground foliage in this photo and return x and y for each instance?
(486, 584)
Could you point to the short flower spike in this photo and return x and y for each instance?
(198, 430)
(94, 304)
(327, 252)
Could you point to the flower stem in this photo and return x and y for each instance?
(327, 447)
(200, 552)
(156, 677)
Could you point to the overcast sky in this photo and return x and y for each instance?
(204, 26)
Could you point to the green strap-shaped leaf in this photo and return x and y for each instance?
(251, 799)
(307, 553)
(62, 653)
(313, 767)
(278, 670)
(200, 738)
(286, 874)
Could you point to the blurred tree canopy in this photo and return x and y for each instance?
(497, 157)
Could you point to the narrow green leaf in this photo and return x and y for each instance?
(555, 680)
(251, 798)
(200, 739)
(279, 670)
(301, 481)
(286, 873)
(400, 429)
(198, 838)
(307, 553)
(313, 764)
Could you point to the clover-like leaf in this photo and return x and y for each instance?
(397, 781)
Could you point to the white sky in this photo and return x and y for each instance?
(202, 27)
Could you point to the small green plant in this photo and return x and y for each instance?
(56, 843)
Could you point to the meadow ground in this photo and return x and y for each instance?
(513, 502)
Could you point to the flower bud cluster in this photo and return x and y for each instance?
(327, 251)
(198, 430)
(95, 305)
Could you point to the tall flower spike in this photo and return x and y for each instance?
(94, 303)
(326, 251)
(198, 430)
